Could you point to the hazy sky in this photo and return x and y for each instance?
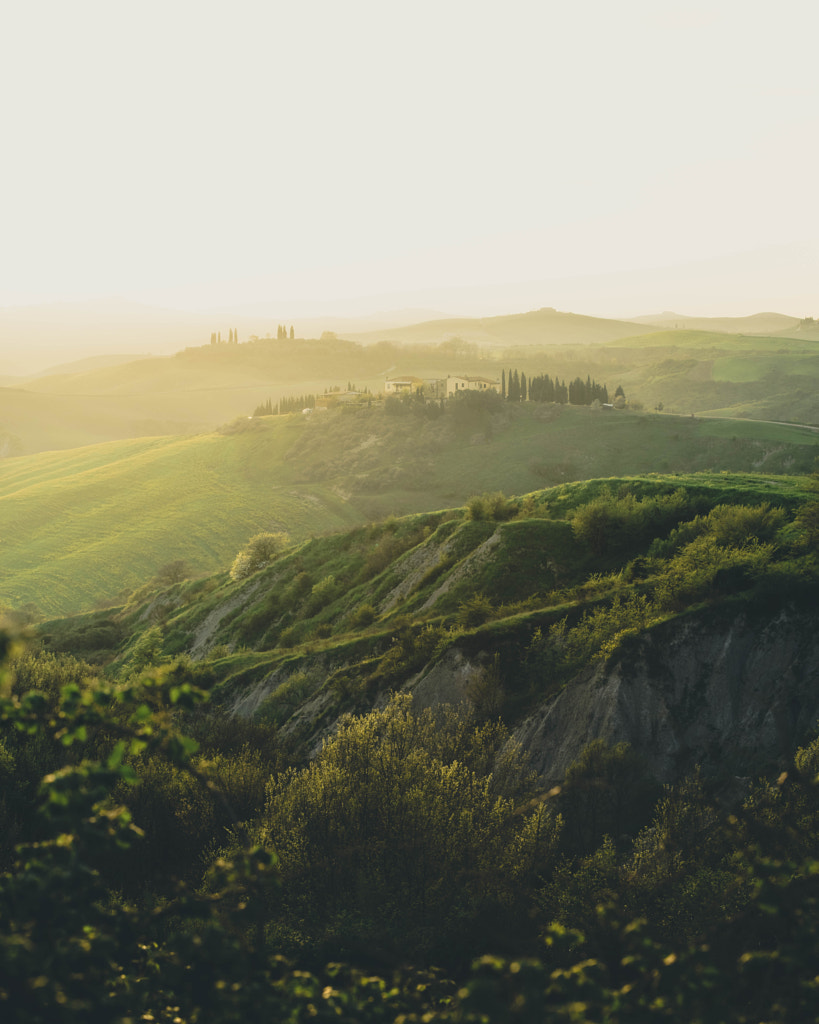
(198, 154)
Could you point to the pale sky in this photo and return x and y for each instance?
(197, 154)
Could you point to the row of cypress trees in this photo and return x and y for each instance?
(295, 403)
(516, 388)
(233, 339)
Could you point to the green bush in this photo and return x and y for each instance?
(363, 616)
(609, 522)
(258, 553)
(493, 506)
(396, 835)
(474, 611)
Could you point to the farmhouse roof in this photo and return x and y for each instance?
(484, 380)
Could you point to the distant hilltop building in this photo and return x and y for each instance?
(437, 387)
(463, 383)
(407, 385)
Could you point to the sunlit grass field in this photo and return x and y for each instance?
(78, 527)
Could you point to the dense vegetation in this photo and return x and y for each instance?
(411, 838)
(184, 864)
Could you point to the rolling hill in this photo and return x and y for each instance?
(79, 527)
(524, 607)
(199, 388)
(758, 323)
(709, 373)
(542, 328)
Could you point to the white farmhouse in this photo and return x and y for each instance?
(464, 383)
(406, 385)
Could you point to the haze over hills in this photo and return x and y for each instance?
(33, 337)
(758, 323)
(40, 338)
(686, 371)
(544, 327)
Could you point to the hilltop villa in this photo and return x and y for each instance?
(435, 387)
(459, 383)
(407, 385)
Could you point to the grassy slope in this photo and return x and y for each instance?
(81, 526)
(727, 375)
(534, 572)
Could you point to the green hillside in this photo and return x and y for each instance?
(340, 754)
(549, 580)
(79, 527)
(707, 372)
(200, 388)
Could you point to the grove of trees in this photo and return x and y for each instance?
(541, 388)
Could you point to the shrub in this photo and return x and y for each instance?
(147, 649)
(474, 611)
(321, 594)
(610, 521)
(363, 616)
(486, 692)
(489, 506)
(259, 552)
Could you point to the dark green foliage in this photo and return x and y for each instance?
(406, 825)
(362, 617)
(474, 611)
(471, 411)
(611, 522)
(608, 791)
(490, 506)
(410, 834)
(807, 521)
(541, 388)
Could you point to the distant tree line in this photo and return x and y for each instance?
(233, 337)
(282, 333)
(516, 388)
(284, 405)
